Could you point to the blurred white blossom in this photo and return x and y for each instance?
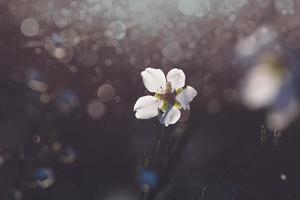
(263, 84)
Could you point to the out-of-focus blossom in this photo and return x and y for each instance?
(286, 107)
(67, 155)
(273, 78)
(169, 96)
(263, 84)
(35, 81)
(44, 177)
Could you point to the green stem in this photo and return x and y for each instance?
(155, 149)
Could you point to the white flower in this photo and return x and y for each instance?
(263, 84)
(169, 95)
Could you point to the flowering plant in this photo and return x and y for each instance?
(169, 95)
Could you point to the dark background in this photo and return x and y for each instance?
(223, 149)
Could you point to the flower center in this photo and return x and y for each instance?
(169, 97)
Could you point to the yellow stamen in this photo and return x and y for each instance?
(168, 88)
(168, 97)
(178, 91)
(177, 105)
(159, 96)
(165, 106)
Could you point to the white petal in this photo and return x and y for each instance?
(154, 80)
(176, 77)
(146, 107)
(171, 116)
(186, 96)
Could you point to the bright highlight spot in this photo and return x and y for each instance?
(262, 86)
(30, 27)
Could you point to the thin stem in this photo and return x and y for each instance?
(156, 146)
(155, 149)
(175, 158)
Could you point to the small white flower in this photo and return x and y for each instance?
(169, 95)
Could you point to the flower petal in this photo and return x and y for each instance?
(171, 116)
(146, 107)
(186, 96)
(176, 77)
(154, 80)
